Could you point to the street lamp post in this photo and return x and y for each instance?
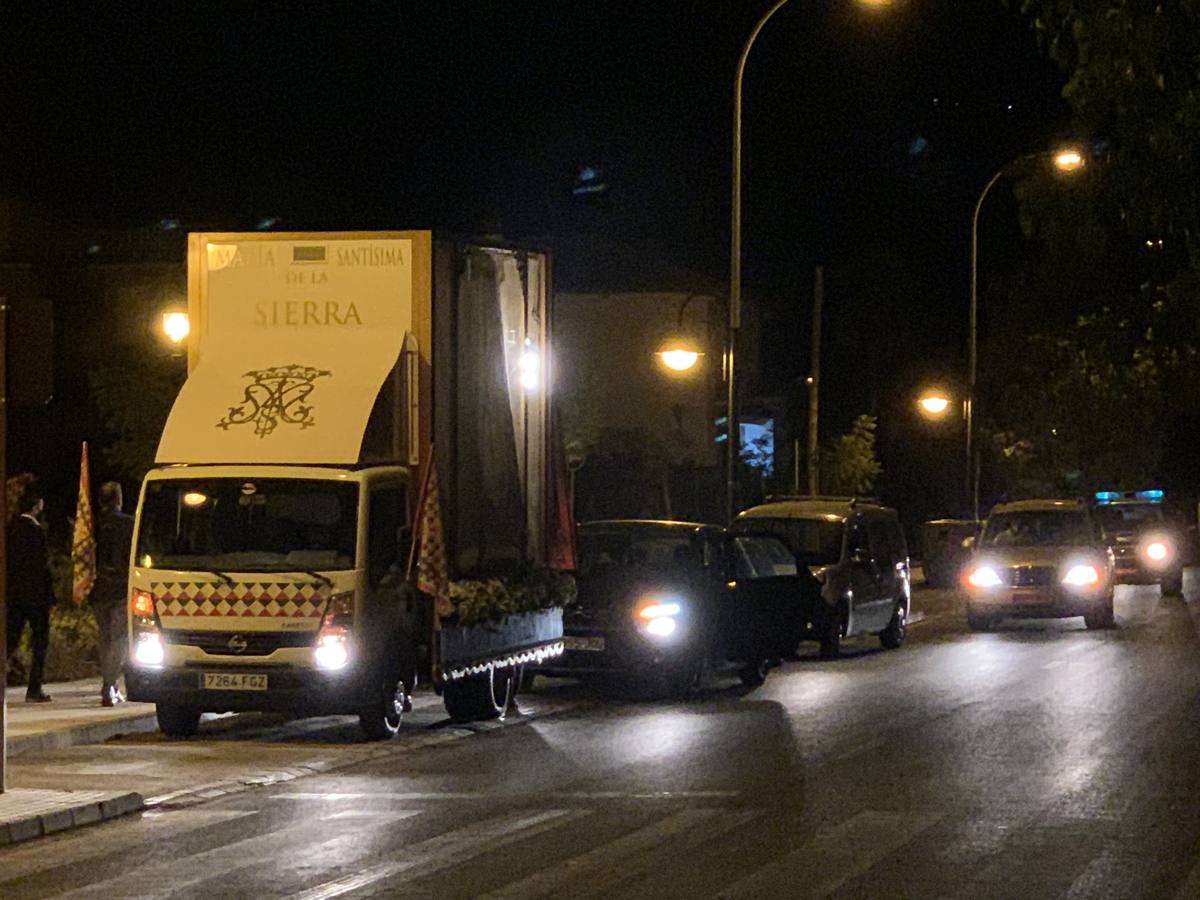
(1065, 160)
(735, 254)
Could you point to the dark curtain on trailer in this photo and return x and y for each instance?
(490, 514)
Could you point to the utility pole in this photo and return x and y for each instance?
(3, 537)
(814, 386)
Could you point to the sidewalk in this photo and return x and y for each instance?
(75, 716)
(27, 813)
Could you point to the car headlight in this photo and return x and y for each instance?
(984, 577)
(1081, 576)
(657, 617)
(1158, 550)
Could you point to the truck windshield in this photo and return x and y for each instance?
(265, 524)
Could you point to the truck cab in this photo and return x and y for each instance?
(273, 588)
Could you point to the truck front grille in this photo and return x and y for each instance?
(229, 643)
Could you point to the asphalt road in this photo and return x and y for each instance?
(1041, 760)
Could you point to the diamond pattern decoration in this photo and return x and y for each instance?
(254, 599)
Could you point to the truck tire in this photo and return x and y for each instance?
(381, 718)
(477, 697)
(177, 721)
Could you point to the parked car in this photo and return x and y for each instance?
(1148, 544)
(945, 547)
(857, 552)
(1040, 559)
(659, 602)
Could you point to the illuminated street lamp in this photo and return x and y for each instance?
(934, 403)
(1067, 160)
(176, 326)
(735, 251)
(678, 355)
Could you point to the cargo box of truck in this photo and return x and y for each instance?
(327, 374)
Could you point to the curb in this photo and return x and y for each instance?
(89, 812)
(87, 733)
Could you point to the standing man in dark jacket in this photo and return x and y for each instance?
(30, 594)
(111, 590)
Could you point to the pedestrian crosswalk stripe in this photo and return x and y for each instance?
(834, 857)
(169, 876)
(449, 849)
(632, 854)
(80, 847)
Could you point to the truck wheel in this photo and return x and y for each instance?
(177, 721)
(485, 696)
(893, 636)
(830, 626)
(381, 718)
(1172, 585)
(754, 673)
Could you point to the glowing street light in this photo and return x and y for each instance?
(678, 355)
(176, 326)
(934, 403)
(1068, 160)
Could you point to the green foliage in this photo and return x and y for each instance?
(1088, 398)
(134, 393)
(493, 599)
(849, 465)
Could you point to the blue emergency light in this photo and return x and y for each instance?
(1155, 494)
(1107, 496)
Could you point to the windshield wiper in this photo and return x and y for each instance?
(324, 579)
(225, 578)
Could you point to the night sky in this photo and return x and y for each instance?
(868, 135)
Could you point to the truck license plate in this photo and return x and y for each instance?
(573, 642)
(234, 681)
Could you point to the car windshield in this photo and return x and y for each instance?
(760, 556)
(265, 524)
(1135, 516)
(1034, 528)
(610, 550)
(813, 542)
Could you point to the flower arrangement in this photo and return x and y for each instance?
(492, 599)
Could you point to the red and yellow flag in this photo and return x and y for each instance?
(433, 571)
(83, 543)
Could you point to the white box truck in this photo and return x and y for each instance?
(325, 371)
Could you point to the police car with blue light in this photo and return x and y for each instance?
(1146, 541)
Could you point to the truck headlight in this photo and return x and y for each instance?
(331, 652)
(148, 649)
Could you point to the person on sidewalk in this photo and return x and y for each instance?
(114, 535)
(30, 594)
